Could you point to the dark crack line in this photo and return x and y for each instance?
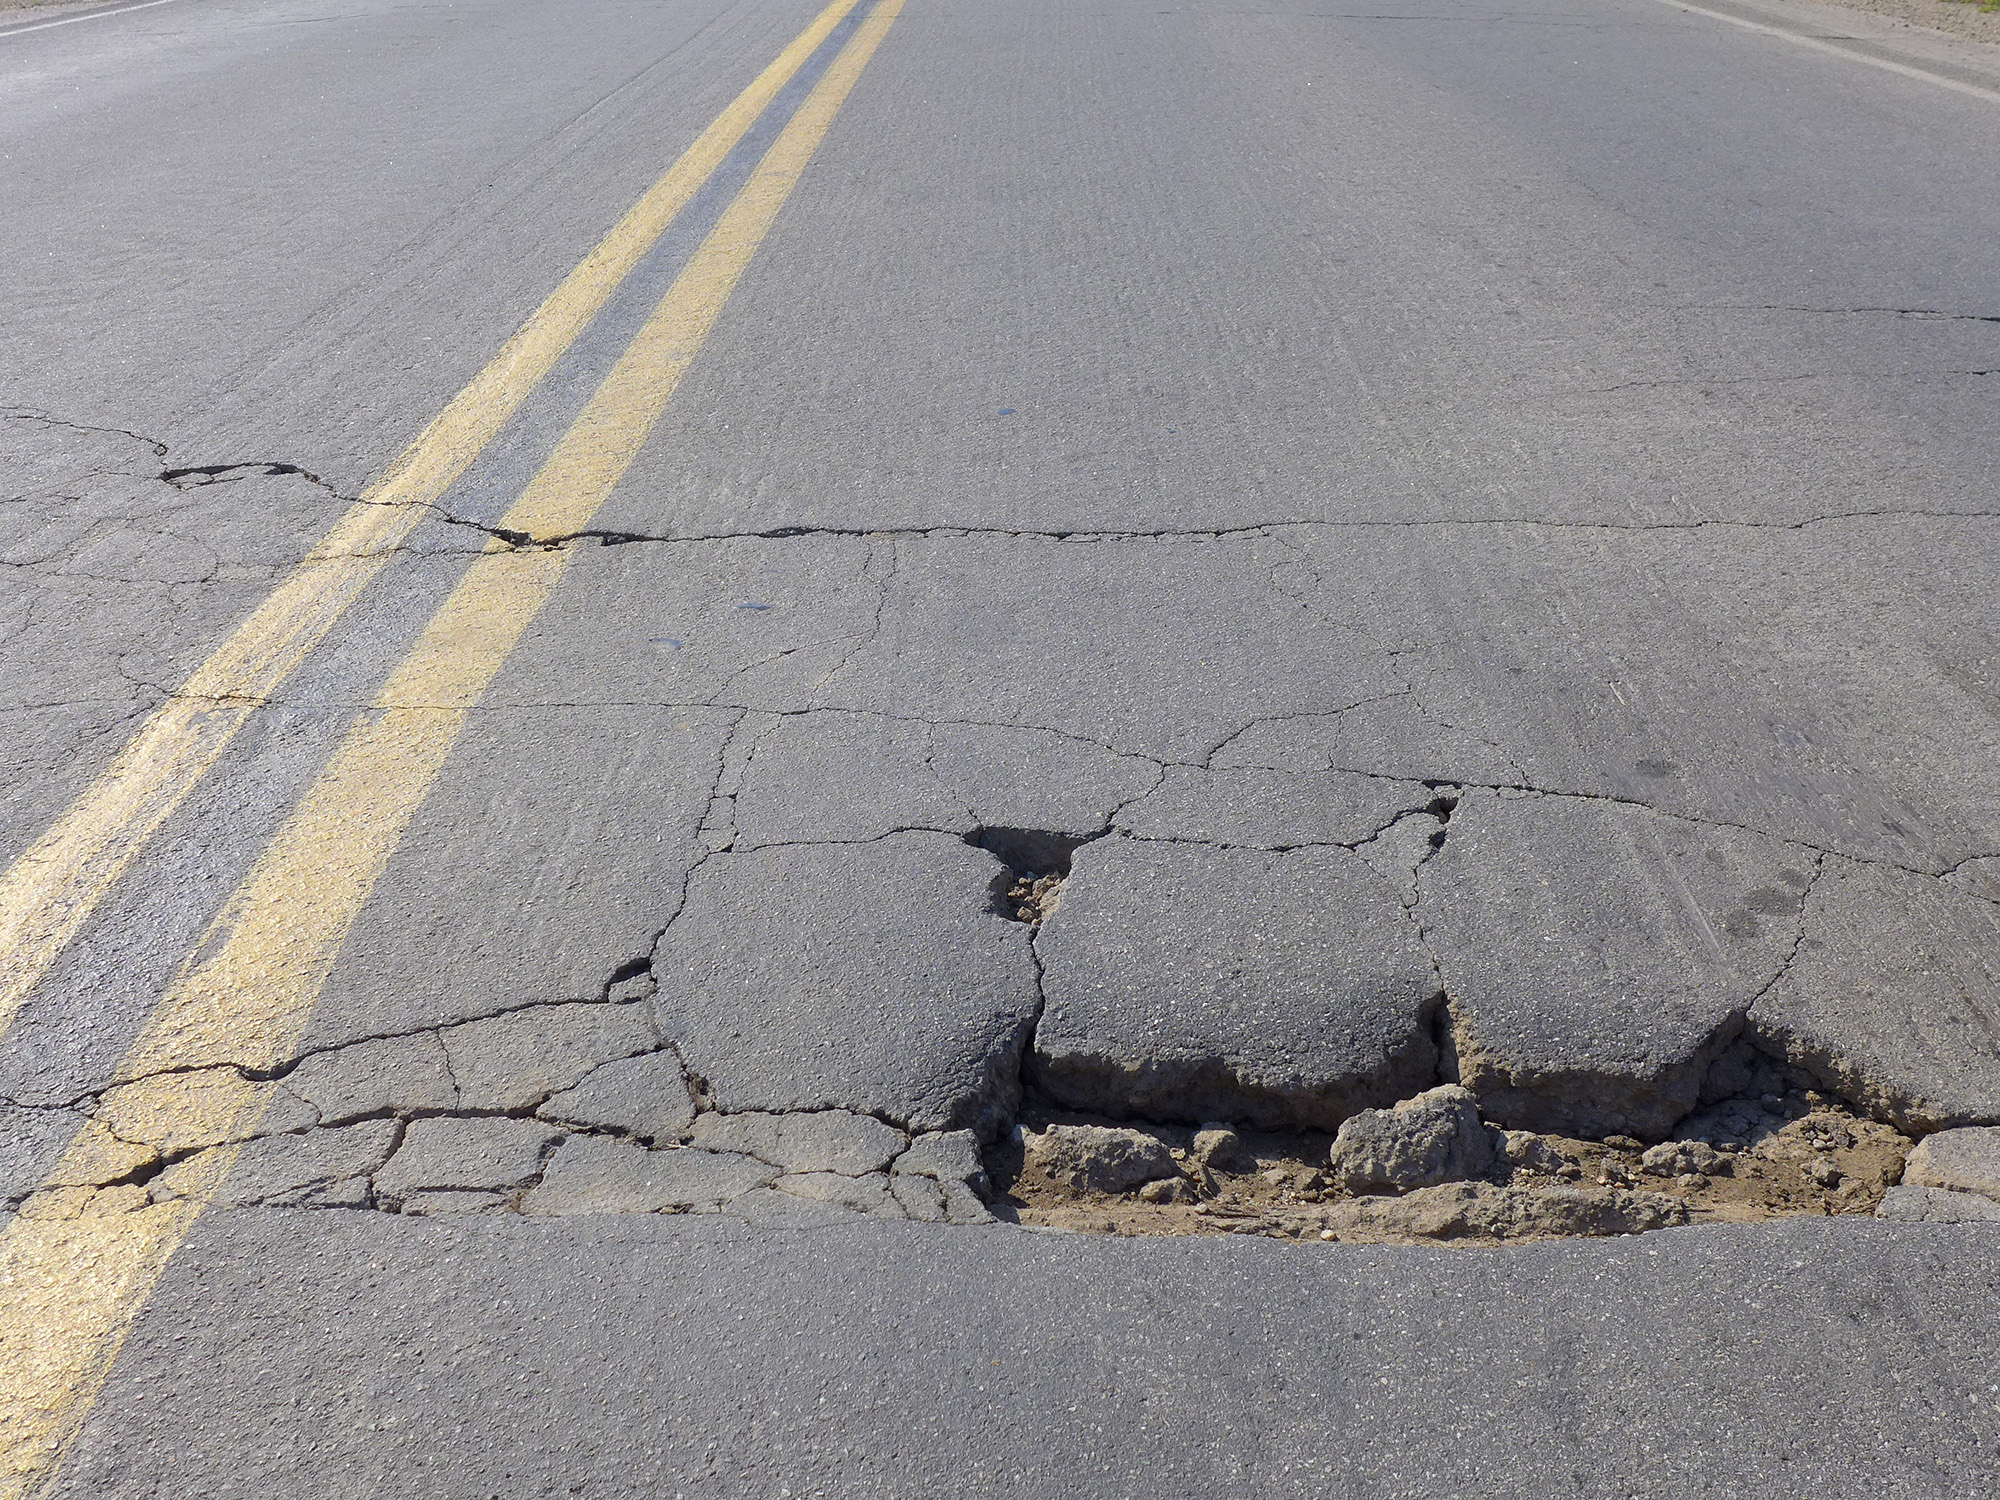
(87, 1099)
(1207, 763)
(1109, 748)
(1798, 936)
(1915, 314)
(1707, 381)
(200, 476)
(32, 414)
(1271, 528)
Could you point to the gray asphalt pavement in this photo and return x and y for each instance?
(637, 1356)
(1466, 531)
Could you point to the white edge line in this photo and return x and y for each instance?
(1923, 75)
(95, 15)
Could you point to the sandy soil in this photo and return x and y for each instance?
(1966, 19)
(1809, 1155)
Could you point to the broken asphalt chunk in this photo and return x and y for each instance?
(871, 977)
(1278, 990)
(644, 1096)
(490, 1153)
(1435, 1137)
(1961, 1161)
(1599, 955)
(1096, 1158)
(1893, 999)
(321, 1168)
(593, 1174)
(517, 1060)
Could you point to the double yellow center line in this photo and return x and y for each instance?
(51, 890)
(80, 1259)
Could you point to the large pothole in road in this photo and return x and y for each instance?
(1802, 1153)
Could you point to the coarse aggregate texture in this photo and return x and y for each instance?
(1963, 1161)
(1430, 1170)
(1191, 983)
(885, 981)
(634, 1355)
(1533, 461)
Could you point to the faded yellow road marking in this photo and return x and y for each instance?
(51, 890)
(79, 1262)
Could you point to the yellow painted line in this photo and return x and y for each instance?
(79, 1261)
(50, 891)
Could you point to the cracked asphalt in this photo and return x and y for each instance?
(558, 563)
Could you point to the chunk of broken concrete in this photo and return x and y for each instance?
(1597, 954)
(645, 1097)
(1913, 1204)
(828, 1140)
(1524, 1148)
(1435, 1137)
(872, 977)
(1096, 1158)
(1279, 990)
(1218, 1147)
(517, 1060)
(597, 1175)
(1966, 1160)
(1676, 1158)
(492, 1154)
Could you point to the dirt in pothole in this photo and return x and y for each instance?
(1743, 1161)
(1031, 898)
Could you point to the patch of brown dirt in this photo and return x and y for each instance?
(1802, 1154)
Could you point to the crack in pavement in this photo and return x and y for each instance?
(1196, 534)
(42, 418)
(1112, 748)
(1642, 385)
(201, 476)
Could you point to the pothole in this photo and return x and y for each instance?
(1038, 864)
(1802, 1153)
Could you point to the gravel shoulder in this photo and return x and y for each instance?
(1969, 22)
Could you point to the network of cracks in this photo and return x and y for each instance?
(598, 1106)
(1766, 1141)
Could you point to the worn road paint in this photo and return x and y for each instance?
(1834, 47)
(51, 890)
(95, 15)
(78, 1262)
(53, 887)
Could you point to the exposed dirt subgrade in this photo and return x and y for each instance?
(1802, 1153)
(1032, 897)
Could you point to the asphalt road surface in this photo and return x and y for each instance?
(559, 558)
